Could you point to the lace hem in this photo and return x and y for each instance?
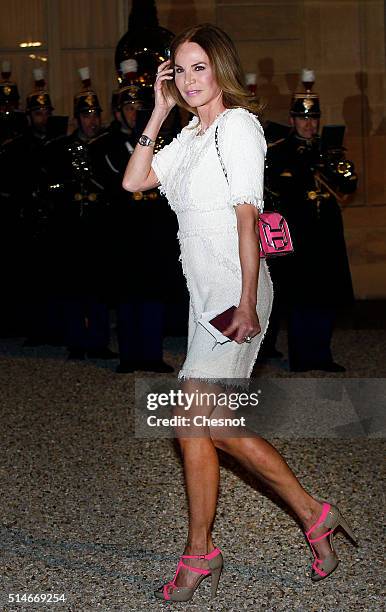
(247, 199)
(224, 382)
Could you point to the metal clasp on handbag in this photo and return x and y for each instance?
(274, 234)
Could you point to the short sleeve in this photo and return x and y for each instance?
(244, 149)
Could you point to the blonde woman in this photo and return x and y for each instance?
(217, 194)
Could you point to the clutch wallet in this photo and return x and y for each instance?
(223, 320)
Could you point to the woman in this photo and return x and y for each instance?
(217, 193)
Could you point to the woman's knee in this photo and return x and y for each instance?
(192, 442)
(233, 445)
(222, 443)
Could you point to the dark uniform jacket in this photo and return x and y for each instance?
(318, 272)
(81, 218)
(143, 228)
(24, 216)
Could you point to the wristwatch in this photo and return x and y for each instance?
(145, 141)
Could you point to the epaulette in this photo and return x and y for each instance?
(12, 140)
(56, 140)
(97, 138)
(273, 144)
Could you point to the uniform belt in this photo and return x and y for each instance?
(86, 198)
(145, 195)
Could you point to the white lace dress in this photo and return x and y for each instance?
(194, 183)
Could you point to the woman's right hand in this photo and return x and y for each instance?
(164, 102)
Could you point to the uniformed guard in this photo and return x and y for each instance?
(21, 156)
(10, 97)
(307, 178)
(44, 325)
(12, 121)
(141, 231)
(81, 230)
(39, 106)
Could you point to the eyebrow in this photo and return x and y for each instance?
(196, 64)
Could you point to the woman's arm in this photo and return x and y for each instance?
(245, 320)
(139, 175)
(247, 216)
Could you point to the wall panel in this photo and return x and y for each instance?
(284, 56)
(261, 22)
(21, 20)
(179, 14)
(340, 36)
(89, 23)
(74, 34)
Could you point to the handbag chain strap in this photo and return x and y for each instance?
(219, 154)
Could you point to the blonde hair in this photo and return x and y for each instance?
(226, 65)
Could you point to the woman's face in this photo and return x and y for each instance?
(194, 76)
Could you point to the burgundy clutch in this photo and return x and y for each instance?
(223, 320)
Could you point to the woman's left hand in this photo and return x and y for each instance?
(245, 323)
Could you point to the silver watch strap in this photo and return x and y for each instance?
(145, 141)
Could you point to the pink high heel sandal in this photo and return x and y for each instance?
(331, 518)
(172, 592)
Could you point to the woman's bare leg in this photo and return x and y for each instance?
(202, 473)
(201, 469)
(265, 462)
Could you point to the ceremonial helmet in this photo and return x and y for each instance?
(9, 93)
(306, 103)
(39, 99)
(86, 101)
(132, 88)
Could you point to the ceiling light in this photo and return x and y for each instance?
(30, 44)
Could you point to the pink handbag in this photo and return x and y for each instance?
(275, 237)
(274, 234)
